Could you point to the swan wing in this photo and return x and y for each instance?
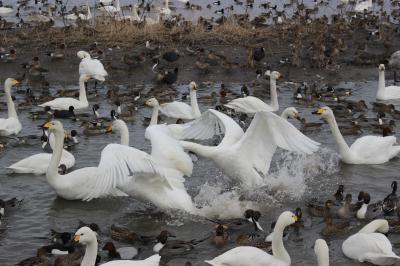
(392, 92)
(212, 123)
(249, 105)
(166, 151)
(245, 256)
(117, 165)
(363, 247)
(373, 146)
(62, 103)
(266, 132)
(177, 110)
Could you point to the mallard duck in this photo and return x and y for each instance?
(334, 229)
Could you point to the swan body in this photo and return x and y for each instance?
(81, 16)
(91, 67)
(111, 8)
(182, 110)
(245, 156)
(164, 187)
(133, 17)
(166, 11)
(37, 164)
(11, 125)
(87, 237)
(386, 93)
(64, 103)
(371, 245)
(363, 5)
(251, 256)
(251, 104)
(365, 150)
(116, 164)
(5, 10)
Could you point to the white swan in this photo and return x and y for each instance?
(243, 156)
(91, 67)
(175, 130)
(363, 5)
(64, 103)
(371, 245)
(111, 9)
(117, 162)
(37, 164)
(182, 110)
(133, 17)
(166, 11)
(87, 237)
(5, 10)
(251, 104)
(81, 16)
(365, 150)
(386, 93)
(322, 251)
(251, 256)
(10, 125)
(165, 189)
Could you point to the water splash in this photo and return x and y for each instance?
(292, 173)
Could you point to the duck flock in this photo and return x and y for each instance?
(241, 134)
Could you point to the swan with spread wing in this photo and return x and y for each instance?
(246, 157)
(164, 187)
(118, 162)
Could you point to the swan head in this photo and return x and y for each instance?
(117, 125)
(85, 236)
(287, 218)
(54, 126)
(83, 54)
(84, 77)
(381, 67)
(273, 75)
(152, 102)
(192, 85)
(292, 112)
(321, 248)
(10, 82)
(325, 112)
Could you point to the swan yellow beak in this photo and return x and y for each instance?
(296, 218)
(109, 129)
(77, 238)
(321, 111)
(47, 125)
(65, 135)
(15, 82)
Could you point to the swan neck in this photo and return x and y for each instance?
(117, 5)
(90, 254)
(154, 116)
(194, 104)
(204, 151)
(381, 85)
(343, 147)
(10, 103)
(124, 135)
(379, 225)
(323, 258)
(278, 249)
(89, 13)
(274, 94)
(82, 91)
(52, 170)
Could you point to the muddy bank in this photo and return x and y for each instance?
(316, 51)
